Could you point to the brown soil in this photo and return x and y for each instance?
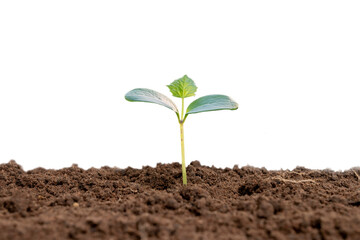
(151, 203)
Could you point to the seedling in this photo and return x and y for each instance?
(183, 88)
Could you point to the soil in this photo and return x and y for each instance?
(151, 203)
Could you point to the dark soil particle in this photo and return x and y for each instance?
(151, 203)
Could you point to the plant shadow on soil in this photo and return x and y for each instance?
(151, 203)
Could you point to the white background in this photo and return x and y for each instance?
(293, 67)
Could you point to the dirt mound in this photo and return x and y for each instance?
(151, 203)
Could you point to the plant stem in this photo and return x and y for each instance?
(182, 109)
(182, 143)
(183, 153)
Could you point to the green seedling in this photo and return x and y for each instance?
(183, 88)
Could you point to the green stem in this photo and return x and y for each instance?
(183, 153)
(182, 143)
(182, 109)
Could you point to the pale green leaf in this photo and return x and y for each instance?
(151, 96)
(211, 103)
(183, 87)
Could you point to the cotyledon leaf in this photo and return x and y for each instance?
(211, 103)
(151, 96)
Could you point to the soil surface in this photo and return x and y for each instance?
(151, 203)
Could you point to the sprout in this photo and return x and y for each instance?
(183, 88)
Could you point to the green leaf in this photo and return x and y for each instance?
(183, 87)
(211, 103)
(151, 96)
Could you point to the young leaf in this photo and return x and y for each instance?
(151, 96)
(183, 87)
(211, 103)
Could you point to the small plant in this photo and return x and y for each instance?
(183, 88)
